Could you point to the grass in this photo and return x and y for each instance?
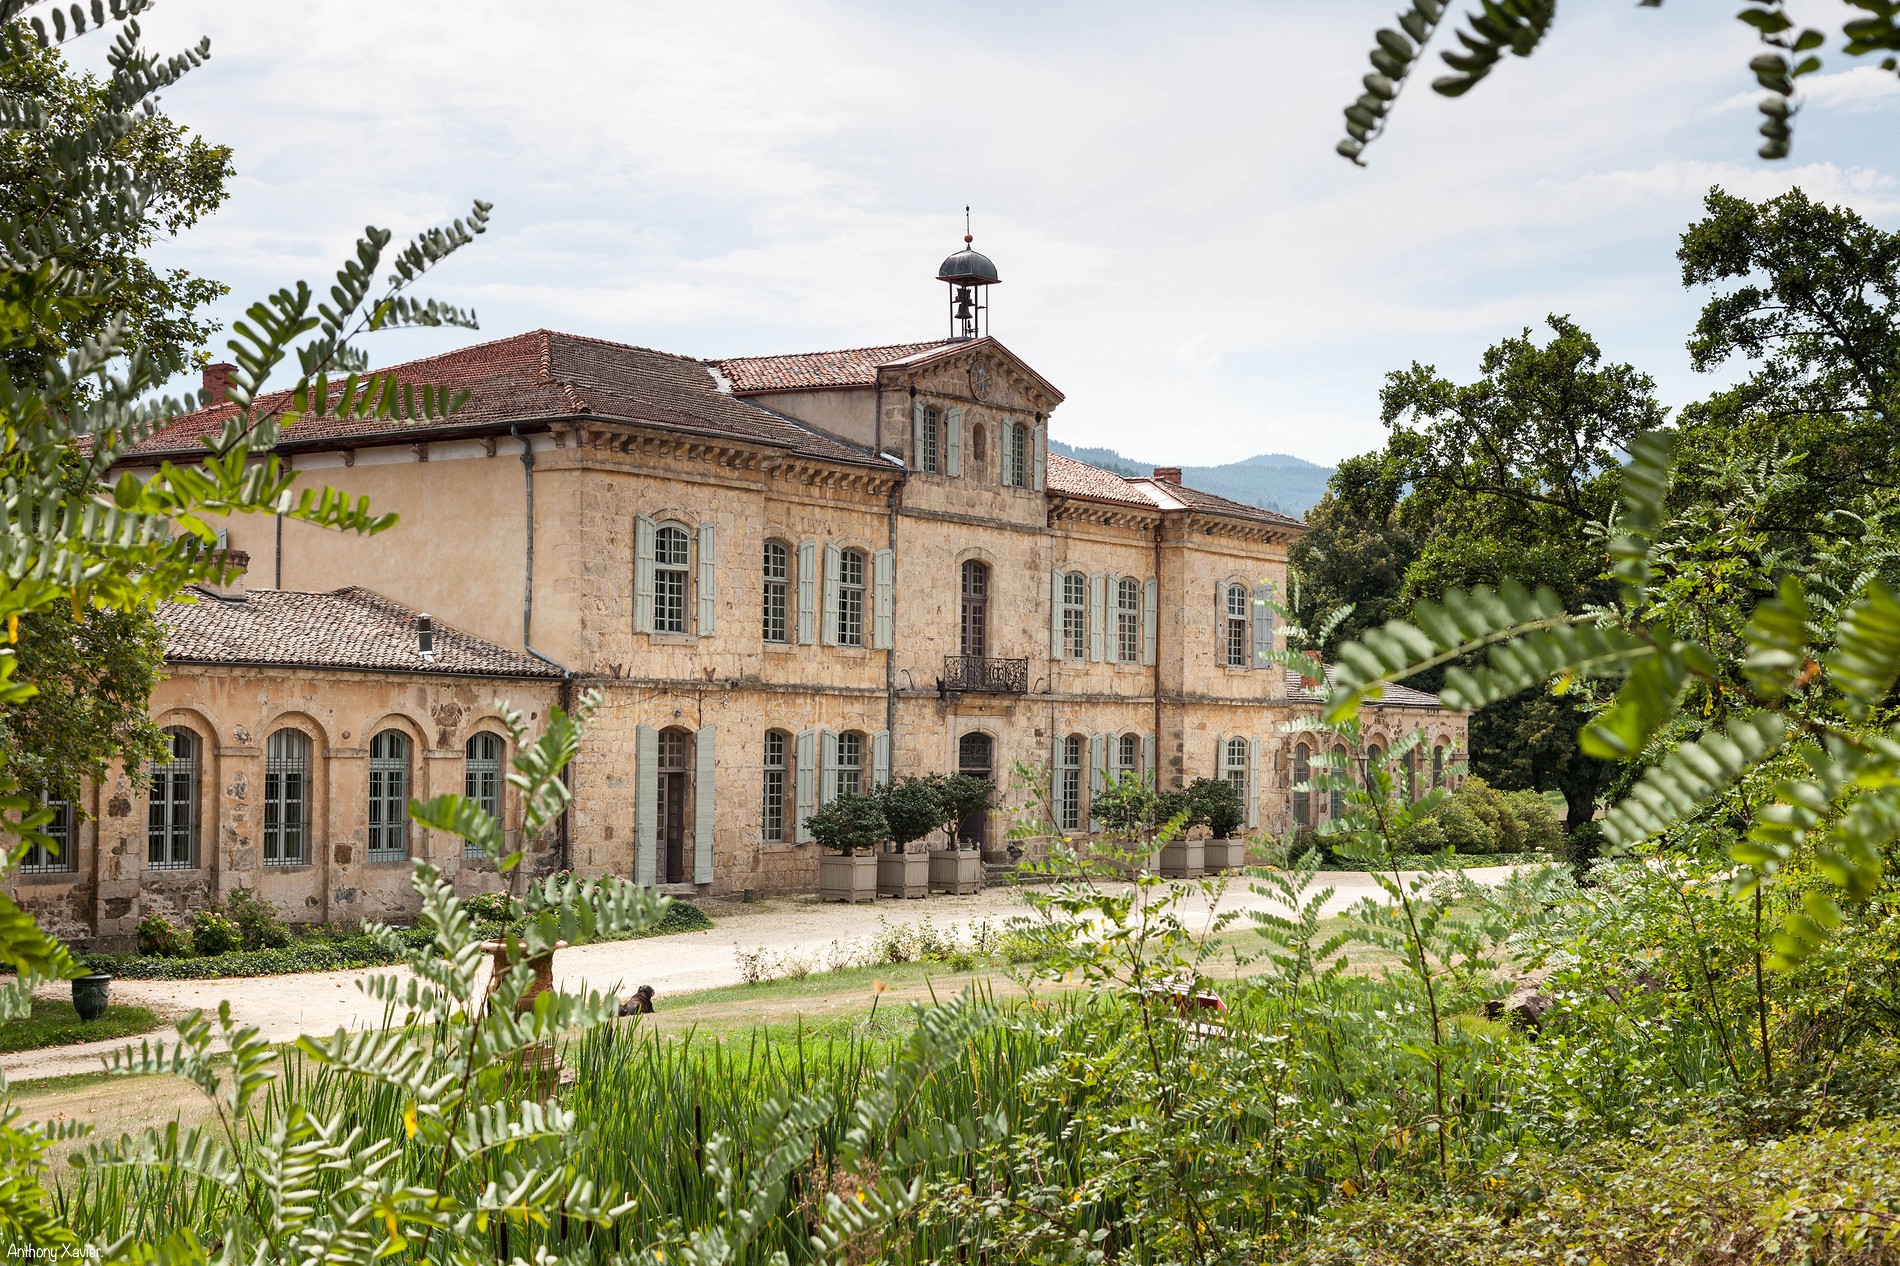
(53, 1022)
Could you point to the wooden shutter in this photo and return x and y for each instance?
(827, 767)
(883, 598)
(953, 443)
(1096, 613)
(1098, 758)
(1253, 782)
(919, 422)
(807, 590)
(1150, 596)
(1036, 443)
(643, 530)
(832, 566)
(1148, 761)
(1220, 756)
(708, 581)
(646, 804)
(1006, 444)
(1055, 616)
(1262, 627)
(1056, 796)
(704, 800)
(880, 758)
(805, 784)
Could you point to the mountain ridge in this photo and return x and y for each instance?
(1272, 481)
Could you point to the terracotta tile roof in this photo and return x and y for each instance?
(1395, 696)
(1068, 477)
(815, 371)
(546, 374)
(1211, 504)
(345, 628)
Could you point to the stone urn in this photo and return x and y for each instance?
(92, 994)
(903, 875)
(542, 1072)
(1228, 854)
(956, 870)
(847, 877)
(1184, 858)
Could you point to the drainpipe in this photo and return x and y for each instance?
(890, 656)
(563, 828)
(1156, 676)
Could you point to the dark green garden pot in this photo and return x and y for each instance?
(92, 994)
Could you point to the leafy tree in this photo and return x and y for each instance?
(913, 808)
(849, 823)
(962, 795)
(1518, 26)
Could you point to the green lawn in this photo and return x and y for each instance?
(55, 1023)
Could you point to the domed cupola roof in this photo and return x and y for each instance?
(968, 268)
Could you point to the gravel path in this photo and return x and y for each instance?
(283, 1007)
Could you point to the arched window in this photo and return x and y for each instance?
(389, 796)
(1236, 626)
(777, 572)
(1438, 765)
(976, 608)
(1373, 753)
(1234, 766)
(976, 757)
(1128, 748)
(287, 798)
(671, 552)
(171, 836)
(1075, 615)
(1128, 620)
(851, 763)
(59, 858)
(1069, 784)
(1302, 798)
(851, 598)
(1411, 774)
(481, 778)
(1342, 769)
(777, 771)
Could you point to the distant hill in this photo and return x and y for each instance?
(1273, 481)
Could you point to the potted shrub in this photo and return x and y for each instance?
(958, 867)
(1175, 814)
(912, 809)
(1126, 811)
(1224, 817)
(849, 829)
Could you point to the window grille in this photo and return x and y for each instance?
(481, 779)
(1016, 465)
(851, 598)
(1237, 647)
(38, 859)
(1302, 798)
(389, 796)
(286, 798)
(930, 437)
(172, 822)
(851, 763)
(670, 555)
(1075, 616)
(1069, 799)
(1438, 765)
(775, 772)
(1128, 620)
(778, 583)
(1234, 766)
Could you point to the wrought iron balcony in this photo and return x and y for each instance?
(978, 672)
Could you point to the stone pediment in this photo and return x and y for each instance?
(982, 371)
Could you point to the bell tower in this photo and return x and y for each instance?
(969, 274)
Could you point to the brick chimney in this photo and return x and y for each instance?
(217, 378)
(236, 563)
(1168, 474)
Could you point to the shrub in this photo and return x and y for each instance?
(913, 808)
(1536, 819)
(215, 932)
(1125, 806)
(1218, 806)
(161, 938)
(1177, 807)
(257, 920)
(850, 822)
(962, 795)
(491, 907)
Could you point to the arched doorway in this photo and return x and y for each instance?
(976, 756)
(675, 803)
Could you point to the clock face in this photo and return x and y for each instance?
(980, 380)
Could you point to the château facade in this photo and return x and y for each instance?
(788, 576)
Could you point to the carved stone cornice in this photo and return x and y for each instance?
(1103, 514)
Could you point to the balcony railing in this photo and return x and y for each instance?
(978, 672)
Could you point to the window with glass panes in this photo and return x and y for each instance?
(171, 836)
(389, 796)
(671, 552)
(930, 441)
(851, 763)
(1438, 765)
(1075, 616)
(1302, 798)
(1237, 648)
(1128, 620)
(851, 598)
(286, 798)
(1373, 753)
(40, 859)
(1016, 462)
(776, 745)
(1069, 785)
(777, 591)
(1129, 746)
(1336, 798)
(1234, 766)
(481, 778)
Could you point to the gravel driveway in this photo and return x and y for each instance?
(283, 1007)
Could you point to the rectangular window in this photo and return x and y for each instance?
(1015, 455)
(851, 598)
(388, 796)
(1130, 746)
(850, 763)
(670, 551)
(38, 859)
(286, 797)
(1075, 616)
(172, 817)
(1234, 766)
(1128, 620)
(930, 437)
(481, 779)
(774, 817)
(1069, 794)
(1237, 644)
(778, 577)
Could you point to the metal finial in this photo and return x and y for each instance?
(967, 239)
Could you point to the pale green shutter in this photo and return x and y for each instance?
(827, 767)
(704, 800)
(807, 590)
(1111, 620)
(1220, 757)
(643, 529)
(646, 804)
(1096, 615)
(1098, 757)
(1038, 444)
(919, 423)
(708, 580)
(1254, 749)
(953, 443)
(1057, 797)
(833, 557)
(805, 780)
(1150, 616)
(1007, 444)
(880, 758)
(1262, 627)
(883, 598)
(1148, 761)
(1055, 617)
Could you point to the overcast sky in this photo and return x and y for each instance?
(1182, 253)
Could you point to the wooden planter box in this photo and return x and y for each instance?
(957, 870)
(842, 878)
(903, 875)
(1226, 854)
(1184, 859)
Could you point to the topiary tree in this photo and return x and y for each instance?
(1125, 807)
(849, 823)
(1217, 806)
(963, 795)
(913, 808)
(1176, 808)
